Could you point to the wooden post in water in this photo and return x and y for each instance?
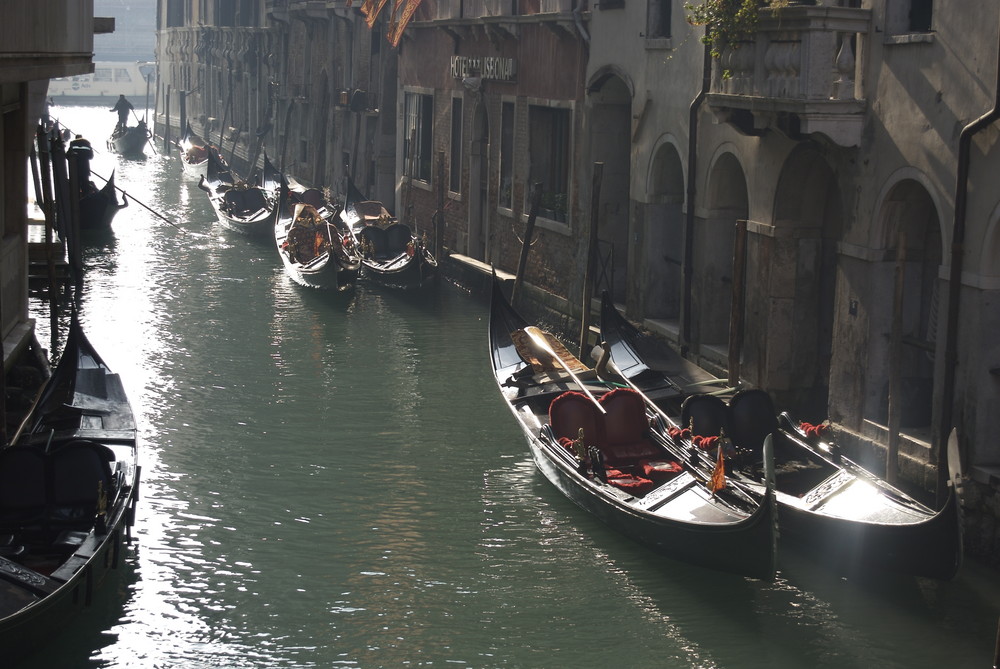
(737, 308)
(439, 214)
(166, 116)
(996, 651)
(588, 277)
(529, 230)
(42, 139)
(408, 193)
(895, 362)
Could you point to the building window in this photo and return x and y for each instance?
(920, 16)
(909, 16)
(658, 19)
(225, 13)
(506, 196)
(548, 149)
(175, 13)
(455, 178)
(417, 139)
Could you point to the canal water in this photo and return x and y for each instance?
(334, 481)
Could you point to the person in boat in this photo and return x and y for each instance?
(81, 152)
(123, 107)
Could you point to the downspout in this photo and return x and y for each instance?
(688, 260)
(955, 281)
(578, 20)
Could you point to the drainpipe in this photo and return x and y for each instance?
(578, 20)
(688, 261)
(955, 281)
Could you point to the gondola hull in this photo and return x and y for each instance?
(678, 516)
(98, 209)
(403, 272)
(827, 504)
(250, 209)
(131, 142)
(56, 557)
(330, 268)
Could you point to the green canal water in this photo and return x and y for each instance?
(334, 481)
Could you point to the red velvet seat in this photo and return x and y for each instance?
(572, 411)
(626, 429)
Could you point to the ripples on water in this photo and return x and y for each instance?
(334, 480)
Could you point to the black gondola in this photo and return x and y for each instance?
(68, 490)
(594, 443)
(391, 254)
(99, 206)
(130, 141)
(829, 504)
(316, 249)
(250, 206)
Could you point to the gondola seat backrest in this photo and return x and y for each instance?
(22, 487)
(245, 201)
(626, 428)
(397, 236)
(751, 419)
(375, 237)
(706, 415)
(571, 412)
(78, 471)
(314, 197)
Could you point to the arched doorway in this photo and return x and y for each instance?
(808, 224)
(611, 143)
(479, 184)
(662, 255)
(911, 235)
(726, 203)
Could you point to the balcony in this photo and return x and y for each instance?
(800, 75)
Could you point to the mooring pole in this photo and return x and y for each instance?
(529, 230)
(588, 279)
(737, 308)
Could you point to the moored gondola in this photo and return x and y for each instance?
(249, 207)
(315, 248)
(828, 504)
(68, 490)
(99, 206)
(391, 254)
(194, 153)
(596, 445)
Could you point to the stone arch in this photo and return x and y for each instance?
(988, 265)
(726, 201)
(610, 123)
(792, 270)
(908, 227)
(663, 251)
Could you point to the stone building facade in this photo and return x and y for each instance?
(835, 153)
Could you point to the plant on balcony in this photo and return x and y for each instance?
(728, 22)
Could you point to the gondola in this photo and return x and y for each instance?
(391, 255)
(194, 153)
(828, 504)
(594, 443)
(99, 206)
(130, 141)
(249, 207)
(316, 250)
(68, 490)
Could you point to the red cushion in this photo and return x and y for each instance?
(660, 468)
(625, 421)
(571, 411)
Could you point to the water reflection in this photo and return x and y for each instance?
(332, 480)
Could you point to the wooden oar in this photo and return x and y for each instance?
(538, 337)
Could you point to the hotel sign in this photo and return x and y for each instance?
(487, 67)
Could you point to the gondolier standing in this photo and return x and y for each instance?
(81, 151)
(123, 107)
